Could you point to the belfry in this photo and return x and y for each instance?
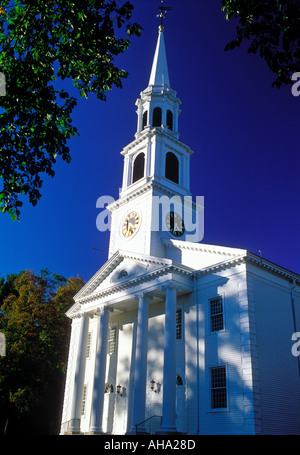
(172, 336)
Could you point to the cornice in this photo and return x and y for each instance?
(220, 266)
(273, 268)
(213, 249)
(161, 91)
(124, 199)
(166, 266)
(142, 189)
(102, 273)
(149, 132)
(251, 258)
(114, 261)
(135, 282)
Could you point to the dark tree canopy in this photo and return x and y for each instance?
(272, 28)
(40, 42)
(36, 329)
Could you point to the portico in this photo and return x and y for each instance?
(158, 290)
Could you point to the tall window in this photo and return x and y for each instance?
(88, 345)
(170, 120)
(112, 338)
(83, 402)
(138, 167)
(179, 324)
(172, 167)
(216, 314)
(156, 116)
(218, 387)
(145, 119)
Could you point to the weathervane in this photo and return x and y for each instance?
(163, 10)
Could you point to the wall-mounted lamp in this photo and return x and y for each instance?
(119, 390)
(154, 386)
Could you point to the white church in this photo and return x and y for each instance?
(173, 336)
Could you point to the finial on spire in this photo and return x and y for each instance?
(163, 10)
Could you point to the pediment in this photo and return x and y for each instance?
(120, 269)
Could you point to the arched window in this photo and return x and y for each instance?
(122, 274)
(170, 120)
(145, 119)
(138, 167)
(156, 117)
(172, 167)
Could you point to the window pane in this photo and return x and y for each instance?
(83, 400)
(156, 117)
(219, 398)
(216, 323)
(218, 377)
(172, 167)
(178, 324)
(216, 306)
(88, 345)
(218, 387)
(216, 314)
(112, 340)
(138, 167)
(145, 119)
(170, 120)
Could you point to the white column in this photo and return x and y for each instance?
(148, 159)
(125, 182)
(140, 368)
(140, 115)
(79, 373)
(99, 377)
(169, 371)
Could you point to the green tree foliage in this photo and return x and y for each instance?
(272, 28)
(7, 286)
(40, 42)
(37, 333)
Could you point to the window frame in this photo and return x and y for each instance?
(112, 329)
(181, 323)
(144, 119)
(84, 401)
(172, 161)
(211, 388)
(170, 119)
(156, 116)
(138, 168)
(89, 345)
(216, 315)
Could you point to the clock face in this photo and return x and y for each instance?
(130, 224)
(175, 224)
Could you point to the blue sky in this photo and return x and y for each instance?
(245, 135)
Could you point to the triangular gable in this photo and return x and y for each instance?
(199, 255)
(121, 267)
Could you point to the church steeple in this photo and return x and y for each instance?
(156, 165)
(158, 106)
(159, 73)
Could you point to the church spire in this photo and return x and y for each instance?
(158, 106)
(159, 73)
